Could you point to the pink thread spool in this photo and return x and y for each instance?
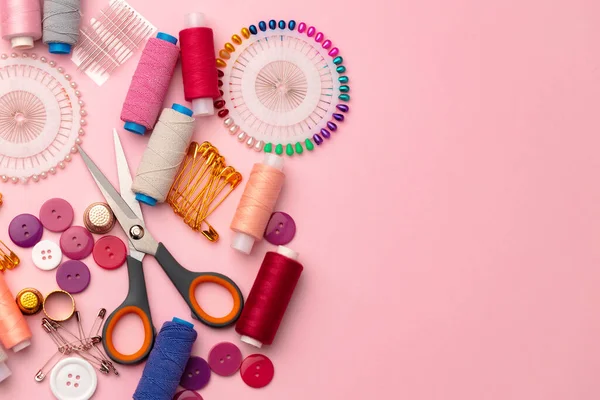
(21, 22)
(257, 203)
(150, 84)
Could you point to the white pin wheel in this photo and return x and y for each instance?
(284, 87)
(41, 118)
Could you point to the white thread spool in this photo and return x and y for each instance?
(163, 156)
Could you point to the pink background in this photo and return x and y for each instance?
(449, 231)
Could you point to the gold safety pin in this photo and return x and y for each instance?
(8, 259)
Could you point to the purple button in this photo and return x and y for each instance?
(196, 374)
(56, 215)
(73, 276)
(281, 229)
(225, 359)
(25, 230)
(187, 395)
(76, 242)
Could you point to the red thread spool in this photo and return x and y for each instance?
(199, 65)
(269, 297)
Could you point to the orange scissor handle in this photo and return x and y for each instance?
(187, 281)
(135, 303)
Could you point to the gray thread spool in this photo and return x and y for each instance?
(61, 25)
(163, 156)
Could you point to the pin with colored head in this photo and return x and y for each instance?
(132, 126)
(143, 198)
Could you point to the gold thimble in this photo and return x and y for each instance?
(30, 301)
(98, 218)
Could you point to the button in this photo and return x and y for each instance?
(76, 242)
(257, 371)
(73, 379)
(73, 276)
(30, 301)
(196, 374)
(98, 218)
(225, 359)
(46, 255)
(187, 395)
(25, 230)
(110, 252)
(56, 215)
(281, 229)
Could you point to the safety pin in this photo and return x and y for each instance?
(8, 259)
(41, 374)
(65, 347)
(101, 358)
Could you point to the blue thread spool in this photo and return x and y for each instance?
(167, 361)
(59, 48)
(134, 127)
(143, 198)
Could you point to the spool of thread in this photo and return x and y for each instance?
(14, 331)
(163, 156)
(257, 203)
(150, 83)
(61, 25)
(4, 370)
(21, 22)
(269, 297)
(198, 65)
(167, 361)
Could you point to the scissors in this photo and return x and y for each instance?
(129, 214)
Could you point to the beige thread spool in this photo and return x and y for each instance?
(257, 203)
(163, 156)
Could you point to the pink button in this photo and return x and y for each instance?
(110, 252)
(76, 242)
(257, 371)
(56, 215)
(225, 359)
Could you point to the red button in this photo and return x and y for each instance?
(56, 215)
(257, 371)
(110, 252)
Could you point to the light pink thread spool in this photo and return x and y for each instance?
(257, 203)
(21, 22)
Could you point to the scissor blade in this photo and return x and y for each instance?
(125, 182)
(125, 179)
(124, 214)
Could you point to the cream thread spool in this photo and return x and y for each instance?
(257, 203)
(163, 156)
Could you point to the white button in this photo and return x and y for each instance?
(46, 255)
(73, 379)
